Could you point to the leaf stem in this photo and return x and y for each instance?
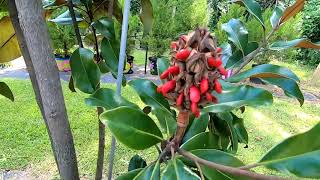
(248, 58)
(230, 170)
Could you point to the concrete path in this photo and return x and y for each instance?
(18, 71)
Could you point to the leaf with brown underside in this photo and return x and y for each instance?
(300, 43)
(267, 75)
(9, 47)
(292, 10)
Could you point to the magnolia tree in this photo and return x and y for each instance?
(194, 124)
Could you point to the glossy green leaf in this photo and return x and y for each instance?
(240, 96)
(237, 57)
(132, 127)
(264, 71)
(204, 140)
(240, 129)
(87, 3)
(197, 126)
(85, 73)
(237, 33)
(136, 162)
(226, 52)
(6, 91)
(218, 157)
(276, 15)
(162, 64)
(110, 55)
(299, 155)
(103, 67)
(289, 86)
(228, 118)
(253, 8)
(71, 85)
(108, 99)
(146, 90)
(65, 18)
(176, 170)
(130, 175)
(146, 15)
(299, 43)
(151, 172)
(105, 26)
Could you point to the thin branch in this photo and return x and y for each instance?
(230, 170)
(75, 23)
(248, 58)
(200, 171)
(98, 7)
(94, 34)
(110, 8)
(250, 166)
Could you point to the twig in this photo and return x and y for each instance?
(75, 23)
(231, 170)
(248, 58)
(250, 166)
(110, 8)
(200, 171)
(94, 34)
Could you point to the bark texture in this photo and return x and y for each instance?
(34, 40)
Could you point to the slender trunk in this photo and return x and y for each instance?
(100, 160)
(34, 39)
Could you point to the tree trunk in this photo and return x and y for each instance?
(37, 51)
(316, 76)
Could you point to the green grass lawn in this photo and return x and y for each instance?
(24, 142)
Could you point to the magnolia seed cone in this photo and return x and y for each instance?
(194, 72)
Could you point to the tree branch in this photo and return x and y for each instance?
(248, 58)
(75, 23)
(230, 170)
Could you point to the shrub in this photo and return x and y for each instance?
(63, 36)
(172, 18)
(311, 30)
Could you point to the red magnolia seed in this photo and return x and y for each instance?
(204, 85)
(174, 70)
(219, 50)
(209, 96)
(159, 89)
(222, 70)
(180, 99)
(168, 86)
(214, 63)
(194, 94)
(217, 86)
(165, 74)
(194, 109)
(183, 54)
(173, 45)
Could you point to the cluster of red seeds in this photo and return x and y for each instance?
(195, 69)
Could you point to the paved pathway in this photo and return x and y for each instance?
(22, 73)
